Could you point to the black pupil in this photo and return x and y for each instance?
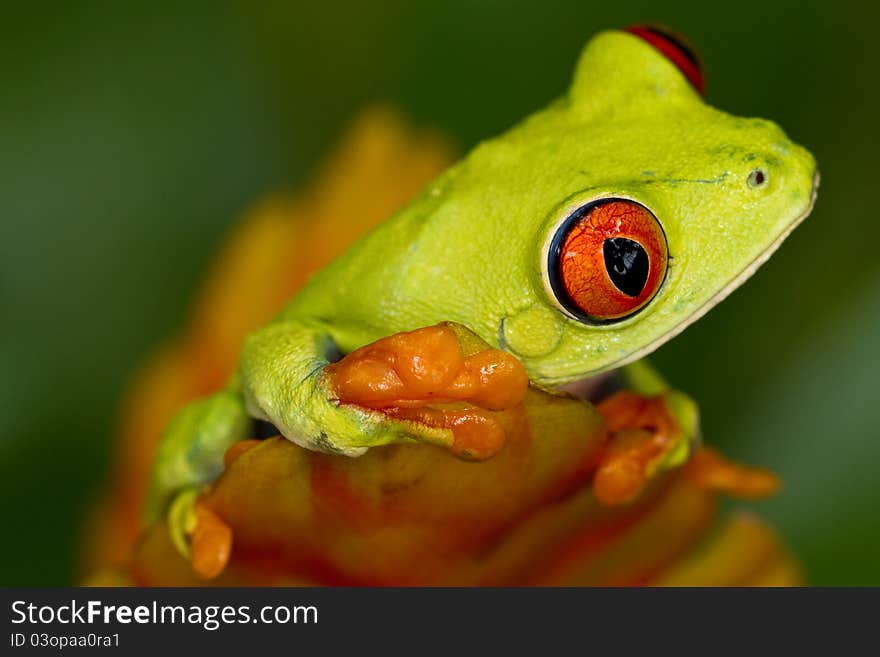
(627, 265)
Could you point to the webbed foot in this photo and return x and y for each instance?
(647, 434)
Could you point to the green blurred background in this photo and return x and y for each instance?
(133, 134)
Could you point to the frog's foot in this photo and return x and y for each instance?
(199, 534)
(422, 377)
(709, 469)
(646, 436)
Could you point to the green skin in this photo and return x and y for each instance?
(473, 250)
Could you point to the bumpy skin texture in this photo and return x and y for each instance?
(473, 250)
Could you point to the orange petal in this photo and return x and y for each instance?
(745, 551)
(708, 468)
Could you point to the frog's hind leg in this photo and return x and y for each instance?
(192, 447)
(191, 455)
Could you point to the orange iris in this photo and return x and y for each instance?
(608, 260)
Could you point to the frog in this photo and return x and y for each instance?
(573, 245)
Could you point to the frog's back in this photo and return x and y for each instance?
(354, 284)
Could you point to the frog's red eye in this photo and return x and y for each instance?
(607, 260)
(676, 50)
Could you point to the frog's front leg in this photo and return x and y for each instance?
(416, 385)
(651, 428)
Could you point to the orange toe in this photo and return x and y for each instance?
(624, 468)
(630, 410)
(211, 543)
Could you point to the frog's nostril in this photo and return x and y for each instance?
(757, 178)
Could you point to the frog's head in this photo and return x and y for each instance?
(655, 207)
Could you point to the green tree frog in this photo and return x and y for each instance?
(574, 244)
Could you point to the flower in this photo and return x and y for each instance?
(402, 514)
